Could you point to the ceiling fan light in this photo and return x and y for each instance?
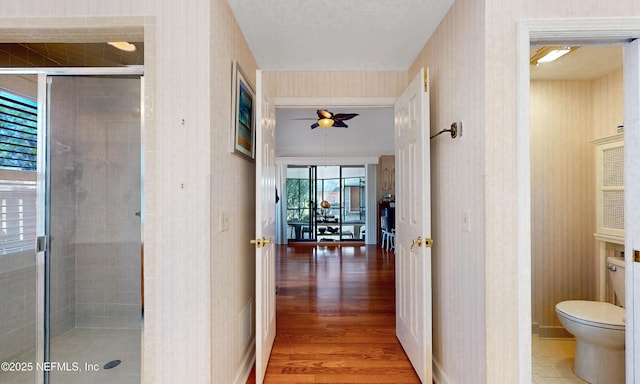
(325, 123)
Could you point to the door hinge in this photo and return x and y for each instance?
(426, 79)
(43, 244)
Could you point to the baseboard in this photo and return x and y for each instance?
(535, 328)
(439, 376)
(247, 365)
(553, 332)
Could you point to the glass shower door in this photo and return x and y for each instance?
(93, 267)
(18, 260)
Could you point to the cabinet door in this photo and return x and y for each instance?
(610, 186)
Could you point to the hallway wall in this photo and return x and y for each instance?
(337, 84)
(178, 178)
(455, 58)
(233, 194)
(513, 341)
(473, 58)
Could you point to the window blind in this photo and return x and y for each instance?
(18, 132)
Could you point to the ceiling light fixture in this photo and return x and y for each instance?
(325, 123)
(549, 54)
(123, 46)
(553, 55)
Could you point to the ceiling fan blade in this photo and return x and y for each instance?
(324, 114)
(339, 124)
(344, 116)
(314, 125)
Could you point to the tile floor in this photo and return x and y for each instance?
(89, 350)
(552, 361)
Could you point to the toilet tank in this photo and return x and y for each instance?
(615, 265)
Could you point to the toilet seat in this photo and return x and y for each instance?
(593, 313)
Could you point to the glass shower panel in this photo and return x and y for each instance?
(18, 267)
(94, 220)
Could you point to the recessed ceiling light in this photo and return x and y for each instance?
(123, 46)
(553, 55)
(549, 54)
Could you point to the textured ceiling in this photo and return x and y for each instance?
(354, 35)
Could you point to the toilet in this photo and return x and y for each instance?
(599, 331)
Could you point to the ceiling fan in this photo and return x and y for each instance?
(328, 119)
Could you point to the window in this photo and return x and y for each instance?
(340, 188)
(18, 132)
(18, 160)
(298, 202)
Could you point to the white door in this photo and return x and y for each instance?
(413, 225)
(631, 69)
(265, 228)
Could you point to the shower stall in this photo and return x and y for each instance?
(71, 294)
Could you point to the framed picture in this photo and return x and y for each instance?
(243, 114)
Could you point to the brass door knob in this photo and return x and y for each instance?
(415, 242)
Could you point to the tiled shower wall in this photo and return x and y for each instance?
(108, 228)
(63, 208)
(17, 304)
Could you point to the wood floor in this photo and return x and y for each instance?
(336, 318)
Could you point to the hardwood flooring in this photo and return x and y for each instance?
(336, 318)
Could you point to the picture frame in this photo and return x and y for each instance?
(243, 115)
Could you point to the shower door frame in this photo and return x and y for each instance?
(43, 239)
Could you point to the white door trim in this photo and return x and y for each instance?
(609, 30)
(631, 212)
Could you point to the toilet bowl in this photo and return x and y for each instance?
(599, 331)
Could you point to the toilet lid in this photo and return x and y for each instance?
(594, 313)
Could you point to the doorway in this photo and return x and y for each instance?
(84, 282)
(572, 104)
(609, 31)
(326, 203)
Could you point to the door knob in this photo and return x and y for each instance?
(428, 242)
(257, 242)
(261, 242)
(415, 242)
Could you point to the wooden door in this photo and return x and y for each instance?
(413, 225)
(265, 228)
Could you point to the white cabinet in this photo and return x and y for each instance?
(609, 183)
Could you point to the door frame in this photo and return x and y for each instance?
(367, 161)
(590, 31)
